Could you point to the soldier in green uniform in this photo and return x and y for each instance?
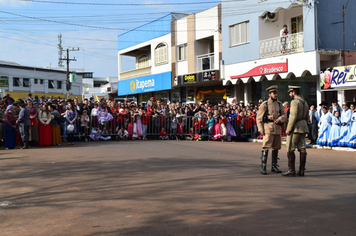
(270, 117)
(296, 131)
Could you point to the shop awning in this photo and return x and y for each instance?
(286, 67)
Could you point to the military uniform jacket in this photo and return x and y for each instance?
(275, 111)
(299, 116)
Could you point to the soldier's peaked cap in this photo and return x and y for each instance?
(292, 88)
(272, 88)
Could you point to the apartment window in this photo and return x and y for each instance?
(143, 61)
(88, 75)
(161, 54)
(41, 81)
(36, 81)
(16, 82)
(51, 84)
(240, 33)
(59, 84)
(26, 82)
(182, 52)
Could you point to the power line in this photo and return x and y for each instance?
(131, 4)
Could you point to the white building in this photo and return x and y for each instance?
(22, 80)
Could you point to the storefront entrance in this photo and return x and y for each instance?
(308, 90)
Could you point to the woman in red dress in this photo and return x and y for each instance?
(44, 127)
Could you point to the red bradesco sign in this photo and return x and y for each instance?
(267, 69)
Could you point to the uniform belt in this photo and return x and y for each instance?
(299, 120)
(269, 121)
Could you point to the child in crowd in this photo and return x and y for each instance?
(174, 126)
(105, 134)
(163, 134)
(84, 124)
(123, 134)
(95, 134)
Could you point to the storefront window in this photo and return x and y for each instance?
(308, 90)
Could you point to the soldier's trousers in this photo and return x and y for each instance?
(271, 141)
(296, 140)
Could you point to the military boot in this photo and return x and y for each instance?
(274, 167)
(264, 162)
(291, 165)
(303, 159)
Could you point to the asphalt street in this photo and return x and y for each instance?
(173, 188)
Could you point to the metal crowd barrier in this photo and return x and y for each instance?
(177, 128)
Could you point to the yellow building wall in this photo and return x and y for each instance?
(24, 95)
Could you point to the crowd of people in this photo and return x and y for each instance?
(334, 126)
(53, 121)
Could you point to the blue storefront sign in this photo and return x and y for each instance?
(145, 84)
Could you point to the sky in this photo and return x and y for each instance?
(29, 29)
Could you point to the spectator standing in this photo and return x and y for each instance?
(33, 123)
(345, 130)
(2, 120)
(24, 124)
(10, 128)
(71, 117)
(55, 126)
(44, 128)
(324, 127)
(313, 125)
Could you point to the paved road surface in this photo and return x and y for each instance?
(172, 188)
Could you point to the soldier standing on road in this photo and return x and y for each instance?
(296, 130)
(270, 118)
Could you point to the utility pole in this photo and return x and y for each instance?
(68, 84)
(344, 7)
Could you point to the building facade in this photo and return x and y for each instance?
(196, 56)
(149, 47)
(257, 53)
(22, 80)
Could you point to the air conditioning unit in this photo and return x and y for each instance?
(269, 16)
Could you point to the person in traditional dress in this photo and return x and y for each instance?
(44, 128)
(10, 128)
(345, 130)
(55, 126)
(71, 117)
(324, 127)
(94, 116)
(334, 135)
(138, 123)
(352, 140)
(216, 129)
(230, 128)
(103, 113)
(33, 123)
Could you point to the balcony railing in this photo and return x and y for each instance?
(278, 46)
(205, 62)
(135, 73)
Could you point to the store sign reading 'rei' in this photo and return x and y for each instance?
(338, 77)
(266, 69)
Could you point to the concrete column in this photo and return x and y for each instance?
(11, 81)
(32, 86)
(191, 43)
(247, 93)
(340, 96)
(45, 84)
